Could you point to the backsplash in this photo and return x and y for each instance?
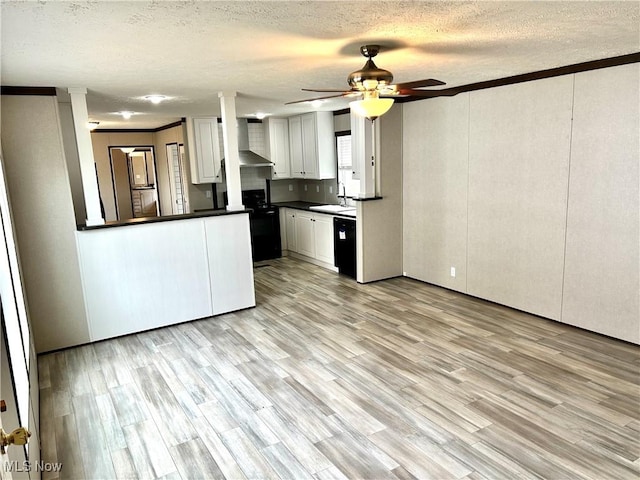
(286, 190)
(256, 139)
(320, 191)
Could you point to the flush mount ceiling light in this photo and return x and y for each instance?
(127, 150)
(92, 125)
(372, 106)
(260, 115)
(126, 114)
(155, 99)
(316, 103)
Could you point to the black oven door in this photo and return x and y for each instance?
(265, 234)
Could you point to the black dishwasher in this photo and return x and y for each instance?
(344, 244)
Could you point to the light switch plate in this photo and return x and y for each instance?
(317, 188)
(290, 187)
(305, 187)
(330, 188)
(453, 271)
(208, 193)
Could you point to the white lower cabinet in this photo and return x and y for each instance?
(323, 233)
(310, 234)
(305, 234)
(290, 230)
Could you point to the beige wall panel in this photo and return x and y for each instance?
(44, 218)
(342, 123)
(601, 284)
(161, 140)
(435, 166)
(519, 138)
(101, 143)
(380, 221)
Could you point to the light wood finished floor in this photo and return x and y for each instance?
(329, 379)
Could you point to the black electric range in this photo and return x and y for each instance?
(265, 225)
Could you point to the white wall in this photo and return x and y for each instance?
(379, 246)
(601, 286)
(519, 137)
(38, 185)
(436, 169)
(549, 224)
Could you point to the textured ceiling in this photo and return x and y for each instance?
(267, 51)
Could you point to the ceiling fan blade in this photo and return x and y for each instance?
(427, 82)
(324, 90)
(408, 92)
(343, 94)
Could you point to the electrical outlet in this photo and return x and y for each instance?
(317, 188)
(290, 187)
(208, 193)
(305, 187)
(453, 271)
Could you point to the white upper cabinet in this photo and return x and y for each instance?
(204, 150)
(312, 146)
(276, 135)
(295, 147)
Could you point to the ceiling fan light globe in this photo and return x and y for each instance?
(371, 108)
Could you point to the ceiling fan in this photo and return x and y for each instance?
(372, 83)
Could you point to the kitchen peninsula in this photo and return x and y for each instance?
(147, 273)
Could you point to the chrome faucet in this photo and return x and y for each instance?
(343, 202)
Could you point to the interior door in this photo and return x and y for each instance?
(18, 368)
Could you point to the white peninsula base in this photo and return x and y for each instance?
(140, 277)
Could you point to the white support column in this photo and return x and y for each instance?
(231, 156)
(366, 153)
(368, 170)
(376, 168)
(85, 154)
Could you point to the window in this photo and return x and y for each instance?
(345, 165)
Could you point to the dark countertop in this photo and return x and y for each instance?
(300, 205)
(164, 218)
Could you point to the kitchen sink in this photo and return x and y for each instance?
(339, 209)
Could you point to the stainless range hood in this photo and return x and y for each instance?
(247, 157)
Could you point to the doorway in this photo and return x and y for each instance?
(133, 173)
